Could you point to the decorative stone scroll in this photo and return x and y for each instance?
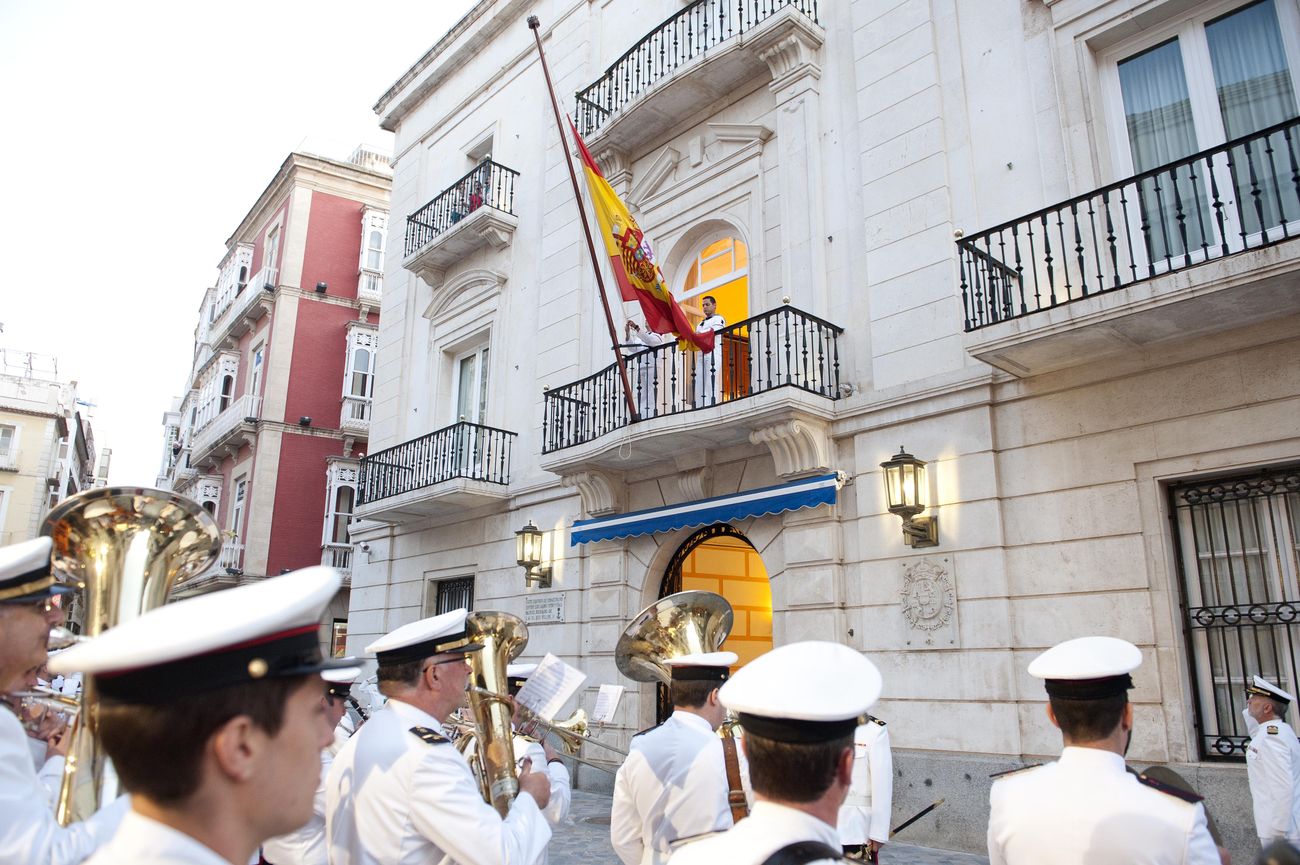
(929, 602)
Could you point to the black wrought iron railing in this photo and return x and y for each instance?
(1238, 542)
(683, 37)
(784, 347)
(462, 450)
(1242, 195)
(487, 184)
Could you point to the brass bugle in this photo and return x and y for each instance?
(467, 733)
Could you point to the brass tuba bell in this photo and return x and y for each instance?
(126, 547)
(684, 623)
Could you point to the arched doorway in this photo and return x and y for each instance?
(721, 559)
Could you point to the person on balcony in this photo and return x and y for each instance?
(646, 364)
(476, 197)
(708, 366)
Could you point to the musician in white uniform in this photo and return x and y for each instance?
(1272, 763)
(539, 753)
(799, 706)
(708, 366)
(864, 817)
(210, 710)
(306, 845)
(673, 784)
(399, 793)
(1086, 807)
(30, 604)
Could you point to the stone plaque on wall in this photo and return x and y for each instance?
(929, 602)
(543, 609)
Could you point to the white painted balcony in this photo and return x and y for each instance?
(370, 287)
(247, 307)
(354, 416)
(339, 557)
(227, 432)
(232, 556)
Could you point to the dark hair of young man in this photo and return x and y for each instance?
(790, 772)
(692, 694)
(1088, 720)
(709, 297)
(157, 750)
(405, 673)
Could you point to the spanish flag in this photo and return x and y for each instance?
(633, 262)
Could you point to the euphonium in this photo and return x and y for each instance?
(684, 623)
(503, 636)
(126, 547)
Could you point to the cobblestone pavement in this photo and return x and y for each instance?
(586, 841)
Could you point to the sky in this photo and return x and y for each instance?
(136, 137)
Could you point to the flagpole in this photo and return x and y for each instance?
(534, 24)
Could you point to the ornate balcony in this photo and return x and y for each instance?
(475, 211)
(766, 373)
(230, 430)
(354, 415)
(1200, 245)
(370, 287)
(709, 51)
(462, 466)
(250, 302)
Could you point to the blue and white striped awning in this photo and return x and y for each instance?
(806, 493)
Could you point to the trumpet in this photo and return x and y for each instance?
(571, 732)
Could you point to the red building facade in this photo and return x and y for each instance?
(278, 399)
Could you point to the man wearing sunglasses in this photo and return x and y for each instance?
(30, 604)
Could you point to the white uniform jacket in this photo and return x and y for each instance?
(708, 364)
(672, 785)
(768, 828)
(1273, 769)
(29, 834)
(142, 841)
(394, 799)
(865, 814)
(1087, 809)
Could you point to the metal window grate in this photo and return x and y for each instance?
(454, 594)
(1239, 562)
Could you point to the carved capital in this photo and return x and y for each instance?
(601, 492)
(799, 447)
(790, 50)
(696, 483)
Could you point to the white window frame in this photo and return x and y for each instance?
(9, 457)
(237, 505)
(687, 299)
(481, 348)
(338, 476)
(1202, 93)
(256, 365)
(6, 493)
(372, 221)
(360, 337)
(271, 252)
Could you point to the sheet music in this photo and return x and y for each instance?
(606, 704)
(550, 687)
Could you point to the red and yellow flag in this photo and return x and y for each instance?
(632, 260)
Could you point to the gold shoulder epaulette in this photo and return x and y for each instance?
(430, 736)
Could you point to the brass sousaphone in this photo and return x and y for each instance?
(684, 623)
(126, 547)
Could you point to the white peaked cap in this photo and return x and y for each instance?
(424, 638)
(804, 692)
(520, 671)
(268, 629)
(1265, 688)
(1087, 668)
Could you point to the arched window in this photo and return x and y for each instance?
(211, 507)
(721, 269)
(375, 250)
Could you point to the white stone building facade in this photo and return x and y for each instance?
(930, 206)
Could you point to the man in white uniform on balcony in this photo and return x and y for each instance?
(708, 365)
